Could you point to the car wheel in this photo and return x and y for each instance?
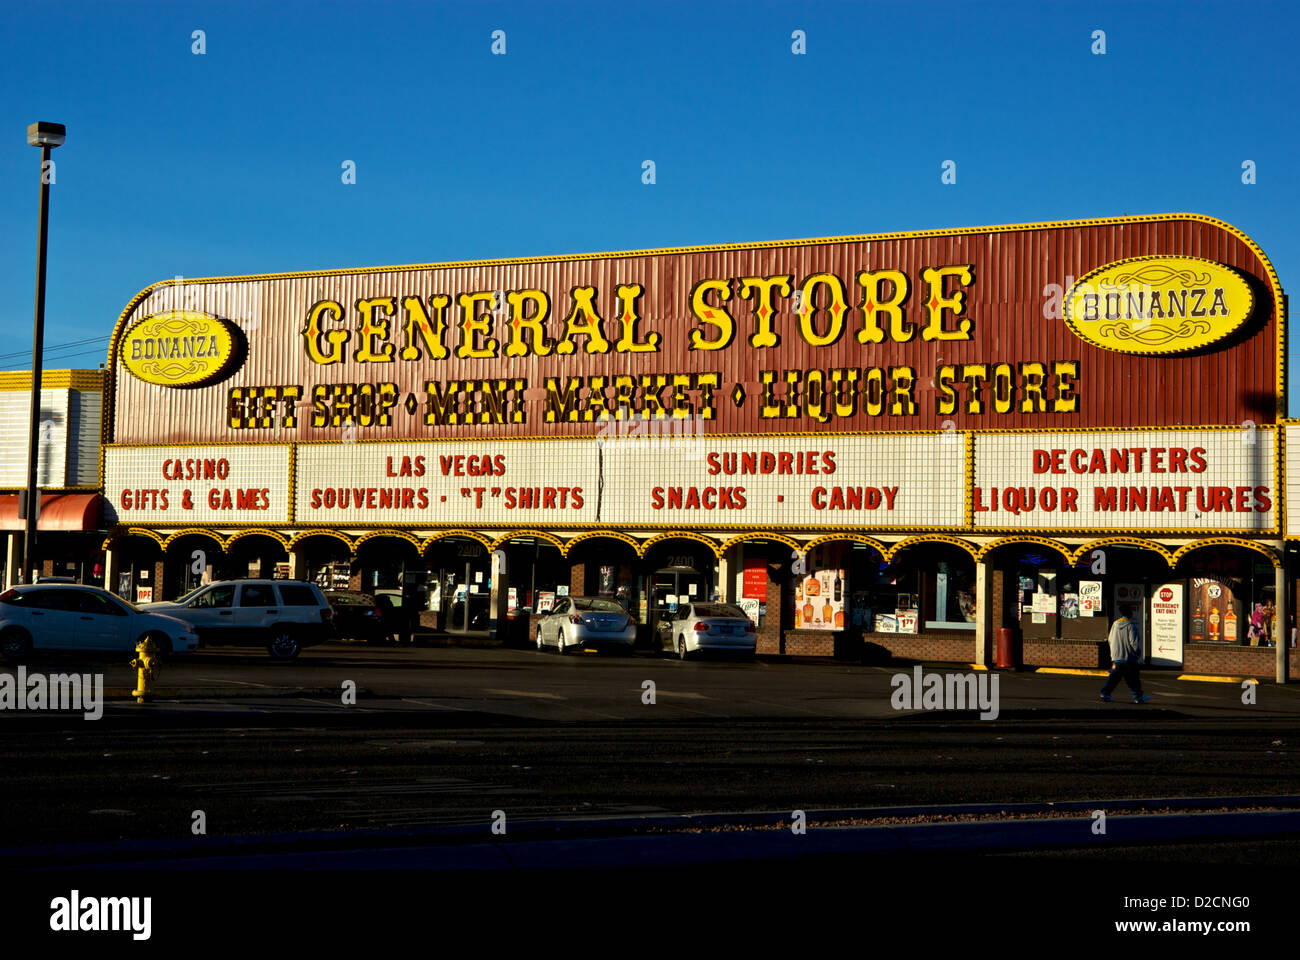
(681, 648)
(284, 644)
(559, 639)
(540, 645)
(15, 645)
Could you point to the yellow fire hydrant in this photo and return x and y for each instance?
(146, 665)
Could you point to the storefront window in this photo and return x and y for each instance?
(1232, 600)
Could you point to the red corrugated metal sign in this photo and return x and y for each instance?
(1156, 321)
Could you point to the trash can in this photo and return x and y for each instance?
(1007, 653)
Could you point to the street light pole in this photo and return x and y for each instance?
(47, 136)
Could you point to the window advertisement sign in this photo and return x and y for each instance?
(1167, 614)
(1214, 611)
(819, 601)
(1090, 602)
(1207, 480)
(754, 584)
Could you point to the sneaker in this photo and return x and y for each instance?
(1108, 698)
(1142, 699)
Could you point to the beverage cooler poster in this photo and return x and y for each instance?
(1214, 611)
(819, 601)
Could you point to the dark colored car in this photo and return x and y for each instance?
(357, 616)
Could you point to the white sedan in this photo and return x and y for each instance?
(702, 627)
(586, 622)
(58, 616)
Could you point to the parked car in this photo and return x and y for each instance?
(696, 627)
(586, 622)
(357, 616)
(56, 616)
(282, 615)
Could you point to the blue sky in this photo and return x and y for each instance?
(229, 162)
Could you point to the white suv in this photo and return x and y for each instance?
(59, 616)
(282, 615)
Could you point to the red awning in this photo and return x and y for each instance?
(59, 511)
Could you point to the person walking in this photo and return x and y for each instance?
(1125, 656)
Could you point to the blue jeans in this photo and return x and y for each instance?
(1131, 672)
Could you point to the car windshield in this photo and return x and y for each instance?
(190, 596)
(596, 605)
(717, 610)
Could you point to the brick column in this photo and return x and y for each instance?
(577, 579)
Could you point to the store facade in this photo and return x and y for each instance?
(896, 443)
(70, 523)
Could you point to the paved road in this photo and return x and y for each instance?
(588, 687)
(449, 735)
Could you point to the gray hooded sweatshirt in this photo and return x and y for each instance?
(1125, 642)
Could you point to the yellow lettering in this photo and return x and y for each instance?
(937, 303)
(873, 305)
(374, 323)
(764, 312)
(336, 338)
(583, 321)
(714, 316)
(474, 325)
(519, 322)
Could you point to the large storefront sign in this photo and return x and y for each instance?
(492, 483)
(807, 481)
(1175, 480)
(197, 484)
(974, 329)
(1182, 481)
(814, 482)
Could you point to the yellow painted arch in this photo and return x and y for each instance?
(1138, 542)
(253, 532)
(606, 534)
(1227, 542)
(298, 538)
(779, 538)
(399, 534)
(446, 534)
(681, 535)
(988, 548)
(195, 532)
(932, 538)
(550, 538)
(137, 532)
(879, 547)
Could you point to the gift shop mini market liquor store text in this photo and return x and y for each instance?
(903, 441)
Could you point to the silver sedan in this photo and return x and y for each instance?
(720, 627)
(586, 622)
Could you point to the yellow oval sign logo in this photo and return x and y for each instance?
(179, 348)
(1157, 305)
